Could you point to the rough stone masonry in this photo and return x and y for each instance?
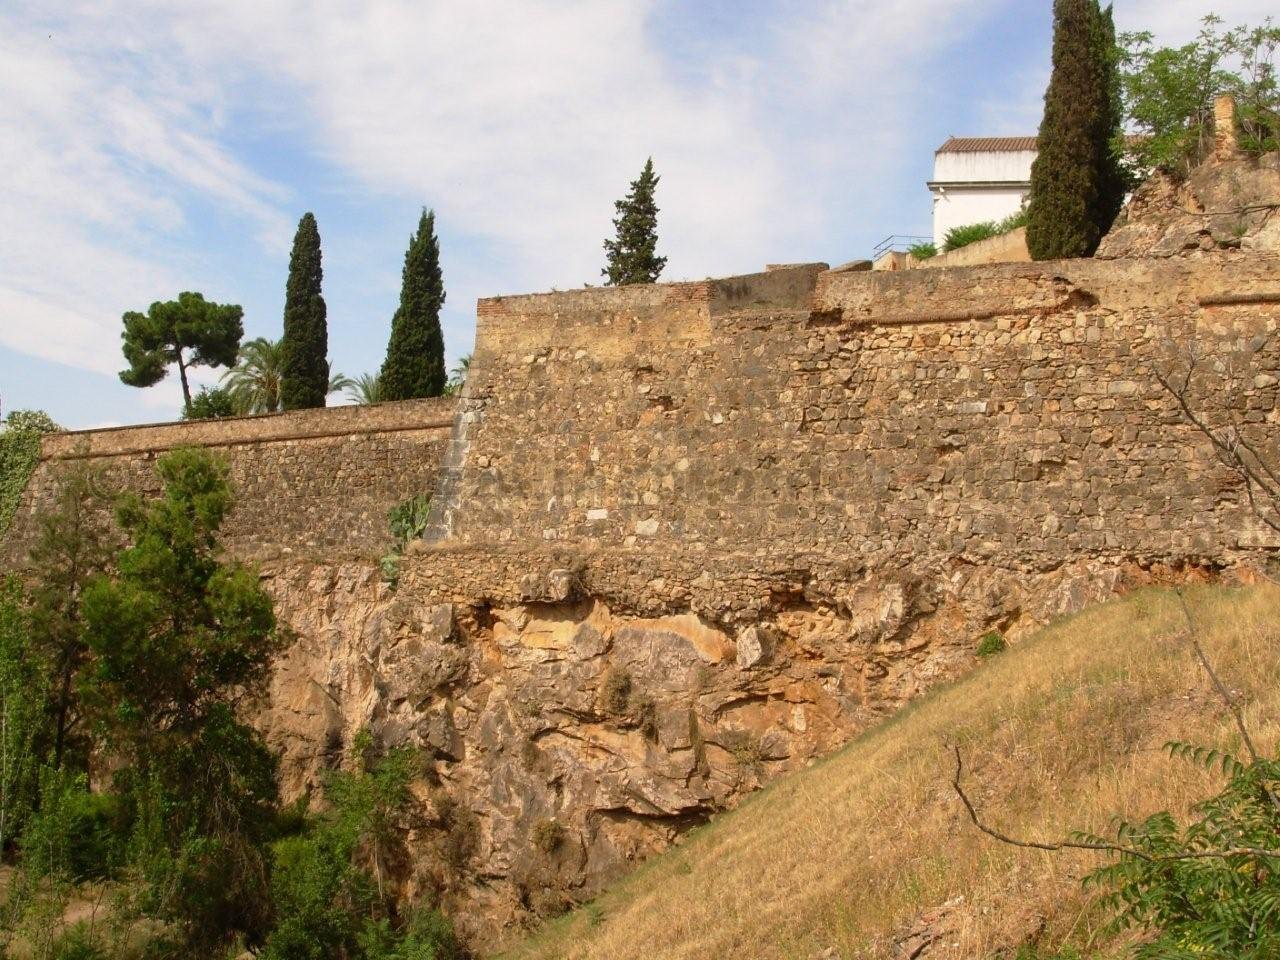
(686, 537)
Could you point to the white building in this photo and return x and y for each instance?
(979, 178)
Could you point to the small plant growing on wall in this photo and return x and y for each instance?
(548, 834)
(990, 644)
(745, 747)
(408, 521)
(615, 690)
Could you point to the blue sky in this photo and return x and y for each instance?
(150, 148)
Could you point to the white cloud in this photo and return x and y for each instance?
(1175, 22)
(100, 153)
(520, 122)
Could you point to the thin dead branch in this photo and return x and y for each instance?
(1232, 447)
(1097, 847)
(1233, 708)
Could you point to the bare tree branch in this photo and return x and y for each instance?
(1060, 845)
(1233, 448)
(1234, 708)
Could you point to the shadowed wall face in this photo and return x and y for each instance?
(310, 482)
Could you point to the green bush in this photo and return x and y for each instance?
(75, 833)
(19, 454)
(211, 403)
(1187, 883)
(427, 935)
(923, 251)
(77, 943)
(959, 237)
(990, 644)
(328, 882)
(22, 708)
(1168, 94)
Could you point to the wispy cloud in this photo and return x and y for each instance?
(132, 131)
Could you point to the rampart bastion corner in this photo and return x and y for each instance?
(688, 536)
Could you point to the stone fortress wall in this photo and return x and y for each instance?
(307, 482)
(1004, 413)
(687, 537)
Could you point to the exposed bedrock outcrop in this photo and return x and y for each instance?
(1226, 206)
(582, 730)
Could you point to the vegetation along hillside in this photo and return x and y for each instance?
(871, 853)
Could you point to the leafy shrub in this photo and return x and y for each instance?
(923, 251)
(958, 237)
(409, 519)
(1210, 888)
(211, 403)
(75, 833)
(1012, 222)
(329, 884)
(548, 835)
(77, 943)
(427, 935)
(21, 714)
(19, 454)
(1168, 93)
(990, 644)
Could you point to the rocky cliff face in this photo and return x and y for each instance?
(569, 736)
(1225, 206)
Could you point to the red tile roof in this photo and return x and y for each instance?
(988, 145)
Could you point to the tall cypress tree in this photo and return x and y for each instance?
(1114, 179)
(304, 373)
(414, 366)
(1071, 187)
(632, 253)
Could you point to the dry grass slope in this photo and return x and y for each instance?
(1061, 732)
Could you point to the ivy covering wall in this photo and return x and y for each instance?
(19, 454)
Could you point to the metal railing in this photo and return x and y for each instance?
(897, 241)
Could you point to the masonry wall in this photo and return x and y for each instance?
(307, 482)
(1004, 413)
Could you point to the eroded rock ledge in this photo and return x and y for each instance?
(582, 712)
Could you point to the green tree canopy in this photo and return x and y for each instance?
(414, 366)
(305, 345)
(179, 639)
(631, 255)
(74, 544)
(190, 331)
(1076, 180)
(255, 382)
(365, 389)
(1168, 93)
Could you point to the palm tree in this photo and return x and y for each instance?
(254, 382)
(365, 389)
(339, 381)
(458, 375)
(461, 369)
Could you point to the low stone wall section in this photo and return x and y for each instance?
(307, 482)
